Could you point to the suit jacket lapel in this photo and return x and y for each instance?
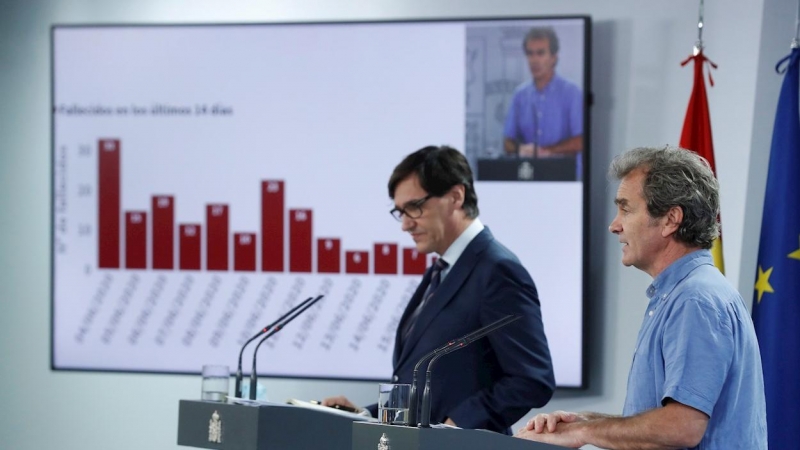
(412, 305)
(444, 294)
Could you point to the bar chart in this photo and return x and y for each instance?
(220, 241)
(162, 279)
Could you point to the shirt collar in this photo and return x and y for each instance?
(458, 246)
(677, 271)
(549, 87)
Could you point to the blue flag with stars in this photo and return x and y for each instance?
(776, 301)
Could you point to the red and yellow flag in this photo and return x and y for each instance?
(696, 134)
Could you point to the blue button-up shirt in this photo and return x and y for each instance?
(698, 347)
(545, 117)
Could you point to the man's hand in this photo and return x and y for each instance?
(567, 147)
(548, 422)
(341, 401)
(526, 150)
(547, 152)
(557, 428)
(565, 435)
(674, 425)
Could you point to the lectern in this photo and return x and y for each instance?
(370, 436)
(526, 169)
(261, 427)
(285, 427)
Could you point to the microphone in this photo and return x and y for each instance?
(263, 330)
(280, 323)
(536, 137)
(460, 342)
(450, 347)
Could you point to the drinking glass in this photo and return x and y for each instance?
(393, 402)
(215, 383)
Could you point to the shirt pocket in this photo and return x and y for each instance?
(642, 393)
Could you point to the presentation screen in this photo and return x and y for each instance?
(208, 178)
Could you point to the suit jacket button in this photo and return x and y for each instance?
(395, 379)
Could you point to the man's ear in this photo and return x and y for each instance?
(674, 218)
(458, 192)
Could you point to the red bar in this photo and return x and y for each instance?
(163, 232)
(272, 228)
(108, 217)
(386, 259)
(244, 252)
(329, 255)
(357, 262)
(217, 237)
(300, 221)
(136, 240)
(414, 262)
(189, 253)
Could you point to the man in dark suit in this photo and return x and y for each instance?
(475, 281)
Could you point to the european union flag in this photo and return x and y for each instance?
(776, 302)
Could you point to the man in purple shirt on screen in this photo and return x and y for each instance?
(695, 379)
(545, 119)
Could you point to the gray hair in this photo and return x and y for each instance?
(676, 177)
(536, 33)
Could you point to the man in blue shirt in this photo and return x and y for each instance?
(545, 118)
(695, 380)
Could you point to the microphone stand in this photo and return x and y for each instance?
(425, 419)
(239, 375)
(278, 327)
(412, 401)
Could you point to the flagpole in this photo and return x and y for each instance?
(796, 40)
(698, 46)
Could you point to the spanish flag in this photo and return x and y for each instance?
(696, 134)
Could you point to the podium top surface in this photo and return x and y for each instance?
(373, 435)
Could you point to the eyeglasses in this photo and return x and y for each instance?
(412, 210)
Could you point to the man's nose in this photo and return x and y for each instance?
(407, 223)
(615, 227)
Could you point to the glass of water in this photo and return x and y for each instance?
(393, 401)
(215, 383)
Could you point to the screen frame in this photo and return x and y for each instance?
(585, 155)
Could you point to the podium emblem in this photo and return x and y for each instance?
(525, 171)
(215, 428)
(383, 444)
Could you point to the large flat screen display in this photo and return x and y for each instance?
(207, 178)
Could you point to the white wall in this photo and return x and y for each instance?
(641, 94)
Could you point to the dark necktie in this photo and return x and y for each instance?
(436, 278)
